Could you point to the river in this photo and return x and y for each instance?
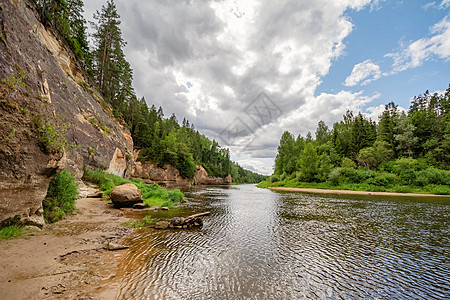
(262, 244)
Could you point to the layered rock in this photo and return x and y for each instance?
(169, 176)
(52, 91)
(202, 177)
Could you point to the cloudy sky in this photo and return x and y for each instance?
(245, 71)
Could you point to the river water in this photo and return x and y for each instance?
(262, 244)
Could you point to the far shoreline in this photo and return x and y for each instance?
(349, 192)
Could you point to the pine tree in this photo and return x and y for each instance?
(114, 74)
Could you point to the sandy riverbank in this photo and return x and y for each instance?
(347, 192)
(68, 259)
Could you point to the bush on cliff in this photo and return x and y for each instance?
(61, 195)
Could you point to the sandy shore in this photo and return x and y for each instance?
(347, 192)
(68, 259)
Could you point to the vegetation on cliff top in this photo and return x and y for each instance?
(163, 140)
(404, 152)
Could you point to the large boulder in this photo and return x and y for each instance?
(126, 195)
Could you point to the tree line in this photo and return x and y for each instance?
(163, 140)
(403, 148)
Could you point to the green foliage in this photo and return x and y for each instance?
(403, 153)
(240, 175)
(146, 221)
(52, 138)
(348, 163)
(274, 178)
(66, 16)
(383, 179)
(152, 194)
(61, 195)
(15, 80)
(11, 231)
(308, 163)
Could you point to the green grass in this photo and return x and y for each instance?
(152, 194)
(429, 189)
(146, 221)
(61, 195)
(11, 231)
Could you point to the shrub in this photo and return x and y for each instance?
(405, 168)
(363, 174)
(348, 163)
(335, 177)
(402, 189)
(61, 195)
(15, 80)
(283, 176)
(52, 138)
(274, 178)
(441, 190)
(432, 176)
(383, 179)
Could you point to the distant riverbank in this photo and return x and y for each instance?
(348, 192)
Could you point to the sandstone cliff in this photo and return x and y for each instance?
(44, 94)
(170, 176)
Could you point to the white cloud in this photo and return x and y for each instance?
(445, 4)
(428, 5)
(367, 71)
(258, 166)
(374, 112)
(230, 51)
(416, 53)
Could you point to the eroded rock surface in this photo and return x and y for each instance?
(52, 90)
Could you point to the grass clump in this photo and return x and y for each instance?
(152, 194)
(11, 231)
(146, 221)
(61, 195)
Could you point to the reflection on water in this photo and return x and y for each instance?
(260, 244)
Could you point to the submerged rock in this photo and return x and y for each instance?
(114, 247)
(162, 225)
(139, 206)
(126, 195)
(176, 221)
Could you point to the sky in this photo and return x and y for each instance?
(243, 72)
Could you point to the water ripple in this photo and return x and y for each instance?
(259, 244)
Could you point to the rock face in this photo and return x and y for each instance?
(52, 90)
(170, 176)
(202, 177)
(126, 195)
(150, 173)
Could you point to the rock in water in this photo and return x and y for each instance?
(126, 195)
(139, 206)
(176, 221)
(162, 225)
(114, 247)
